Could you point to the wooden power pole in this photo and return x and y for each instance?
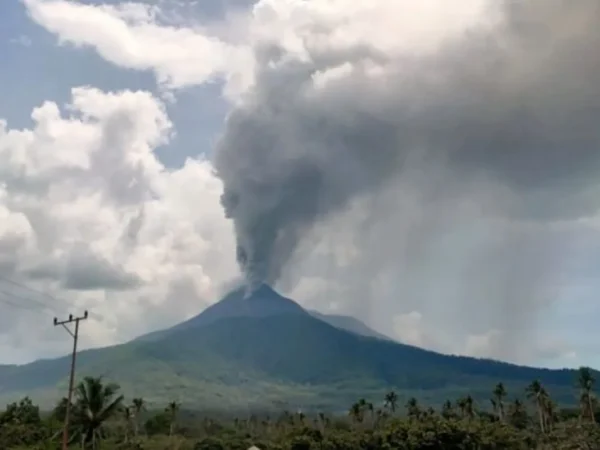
(74, 335)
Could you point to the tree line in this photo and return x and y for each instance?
(102, 419)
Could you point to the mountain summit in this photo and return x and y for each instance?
(262, 302)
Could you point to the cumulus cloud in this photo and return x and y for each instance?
(443, 161)
(91, 216)
(129, 35)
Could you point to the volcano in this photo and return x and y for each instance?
(262, 302)
(264, 351)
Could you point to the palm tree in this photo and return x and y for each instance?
(286, 419)
(127, 416)
(517, 414)
(462, 406)
(391, 401)
(495, 408)
(356, 412)
(251, 423)
(322, 422)
(60, 410)
(371, 409)
(412, 407)
(447, 410)
(96, 403)
(498, 400)
(138, 406)
(301, 417)
(550, 410)
(536, 392)
(469, 407)
(466, 406)
(586, 385)
(172, 410)
(380, 416)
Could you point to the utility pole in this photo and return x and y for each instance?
(74, 335)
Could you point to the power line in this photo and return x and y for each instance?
(30, 289)
(8, 302)
(39, 305)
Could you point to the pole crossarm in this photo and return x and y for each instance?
(70, 319)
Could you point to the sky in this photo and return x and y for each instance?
(434, 175)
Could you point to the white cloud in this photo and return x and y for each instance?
(340, 25)
(129, 36)
(481, 345)
(409, 329)
(413, 329)
(90, 215)
(493, 344)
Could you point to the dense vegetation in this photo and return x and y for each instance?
(102, 419)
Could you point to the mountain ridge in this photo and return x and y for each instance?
(349, 323)
(236, 303)
(274, 352)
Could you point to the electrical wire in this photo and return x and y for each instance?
(30, 289)
(28, 301)
(7, 301)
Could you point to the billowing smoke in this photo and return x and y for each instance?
(339, 110)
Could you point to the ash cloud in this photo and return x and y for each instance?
(516, 106)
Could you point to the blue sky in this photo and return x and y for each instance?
(134, 152)
(28, 52)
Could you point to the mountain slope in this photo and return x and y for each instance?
(268, 351)
(350, 324)
(325, 354)
(262, 302)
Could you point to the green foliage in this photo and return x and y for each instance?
(100, 421)
(20, 425)
(210, 443)
(96, 404)
(22, 413)
(158, 424)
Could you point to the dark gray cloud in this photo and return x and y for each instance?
(516, 107)
(449, 257)
(85, 270)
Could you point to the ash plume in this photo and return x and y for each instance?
(516, 104)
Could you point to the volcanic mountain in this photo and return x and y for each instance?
(265, 351)
(262, 302)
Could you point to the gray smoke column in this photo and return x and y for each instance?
(516, 103)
